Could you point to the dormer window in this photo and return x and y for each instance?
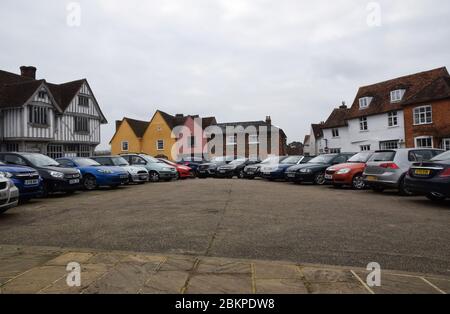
(364, 102)
(42, 95)
(397, 95)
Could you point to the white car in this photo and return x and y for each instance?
(9, 194)
(137, 174)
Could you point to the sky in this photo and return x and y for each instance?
(237, 60)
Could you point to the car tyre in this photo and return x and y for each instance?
(89, 182)
(154, 176)
(403, 190)
(436, 197)
(319, 179)
(241, 174)
(358, 182)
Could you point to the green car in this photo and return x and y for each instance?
(157, 170)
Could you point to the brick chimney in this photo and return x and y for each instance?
(28, 71)
(268, 120)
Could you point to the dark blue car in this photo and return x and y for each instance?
(276, 171)
(94, 174)
(26, 179)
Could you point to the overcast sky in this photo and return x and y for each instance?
(234, 59)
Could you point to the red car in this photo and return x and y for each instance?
(183, 171)
(350, 173)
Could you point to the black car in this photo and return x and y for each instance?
(314, 170)
(235, 168)
(56, 177)
(192, 162)
(209, 169)
(431, 178)
(254, 170)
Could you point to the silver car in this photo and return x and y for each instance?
(137, 174)
(386, 169)
(9, 194)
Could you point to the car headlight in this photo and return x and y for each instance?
(105, 171)
(6, 174)
(305, 170)
(343, 171)
(57, 174)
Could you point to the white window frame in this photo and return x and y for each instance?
(393, 119)
(335, 133)
(397, 95)
(363, 124)
(123, 144)
(157, 145)
(335, 150)
(419, 138)
(417, 114)
(365, 148)
(364, 102)
(446, 143)
(388, 145)
(253, 139)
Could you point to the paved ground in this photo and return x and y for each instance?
(43, 270)
(241, 219)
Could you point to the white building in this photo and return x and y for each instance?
(57, 120)
(314, 144)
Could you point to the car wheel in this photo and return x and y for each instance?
(241, 174)
(435, 197)
(319, 179)
(89, 182)
(154, 176)
(358, 182)
(403, 190)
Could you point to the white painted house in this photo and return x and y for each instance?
(57, 120)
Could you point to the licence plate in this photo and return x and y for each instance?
(124, 176)
(328, 177)
(222, 171)
(422, 172)
(31, 182)
(250, 172)
(291, 175)
(74, 181)
(371, 178)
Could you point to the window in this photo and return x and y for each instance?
(389, 145)
(136, 160)
(422, 155)
(364, 102)
(340, 159)
(253, 139)
(365, 148)
(55, 151)
(446, 143)
(397, 95)
(42, 95)
(232, 140)
(83, 101)
(335, 132)
(423, 115)
(160, 144)
(81, 124)
(38, 115)
(363, 126)
(335, 151)
(393, 119)
(14, 160)
(12, 147)
(424, 142)
(125, 146)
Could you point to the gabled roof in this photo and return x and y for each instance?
(306, 140)
(317, 130)
(137, 126)
(437, 90)
(381, 102)
(338, 118)
(15, 95)
(65, 93)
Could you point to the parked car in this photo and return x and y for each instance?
(235, 168)
(136, 174)
(209, 169)
(253, 171)
(192, 162)
(277, 171)
(9, 194)
(387, 169)
(94, 174)
(314, 170)
(431, 179)
(26, 179)
(183, 172)
(350, 173)
(157, 169)
(56, 178)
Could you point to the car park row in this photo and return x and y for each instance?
(24, 176)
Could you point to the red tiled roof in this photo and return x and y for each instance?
(338, 118)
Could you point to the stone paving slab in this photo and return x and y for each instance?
(43, 271)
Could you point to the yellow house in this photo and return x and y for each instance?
(128, 136)
(157, 139)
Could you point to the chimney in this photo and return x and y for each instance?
(179, 115)
(28, 71)
(343, 106)
(268, 120)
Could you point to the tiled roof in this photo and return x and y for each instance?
(15, 95)
(137, 126)
(306, 140)
(437, 90)
(338, 118)
(317, 130)
(381, 102)
(65, 93)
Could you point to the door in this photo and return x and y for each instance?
(446, 143)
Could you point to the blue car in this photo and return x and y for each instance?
(276, 171)
(26, 179)
(94, 174)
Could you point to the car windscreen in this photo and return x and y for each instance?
(218, 159)
(86, 162)
(39, 160)
(361, 157)
(383, 156)
(291, 160)
(442, 157)
(238, 161)
(119, 161)
(151, 159)
(322, 159)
